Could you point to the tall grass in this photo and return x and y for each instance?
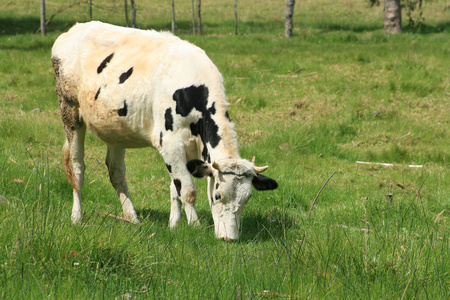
(339, 91)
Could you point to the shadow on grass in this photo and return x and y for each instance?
(255, 227)
(258, 227)
(154, 215)
(29, 25)
(428, 29)
(359, 28)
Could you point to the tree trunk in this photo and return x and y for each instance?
(288, 22)
(133, 13)
(173, 16)
(43, 30)
(199, 16)
(193, 17)
(392, 16)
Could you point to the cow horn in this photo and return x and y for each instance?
(260, 169)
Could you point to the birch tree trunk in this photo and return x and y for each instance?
(288, 22)
(43, 30)
(392, 16)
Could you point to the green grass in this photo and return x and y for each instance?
(339, 91)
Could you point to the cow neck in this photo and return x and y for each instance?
(228, 145)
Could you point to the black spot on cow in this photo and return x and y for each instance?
(168, 119)
(227, 116)
(177, 184)
(98, 93)
(169, 168)
(124, 110)
(190, 98)
(212, 110)
(124, 76)
(198, 168)
(104, 63)
(208, 130)
(217, 186)
(160, 138)
(197, 97)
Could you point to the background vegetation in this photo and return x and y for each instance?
(339, 91)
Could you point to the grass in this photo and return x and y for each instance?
(339, 91)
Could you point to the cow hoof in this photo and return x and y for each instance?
(131, 218)
(76, 218)
(134, 221)
(228, 240)
(174, 223)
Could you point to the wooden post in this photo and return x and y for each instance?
(133, 13)
(235, 17)
(90, 9)
(199, 16)
(173, 16)
(126, 11)
(193, 17)
(43, 29)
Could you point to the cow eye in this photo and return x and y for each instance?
(248, 175)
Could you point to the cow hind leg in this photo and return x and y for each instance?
(75, 130)
(115, 160)
(73, 152)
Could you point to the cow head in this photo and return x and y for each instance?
(229, 188)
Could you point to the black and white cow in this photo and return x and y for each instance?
(136, 88)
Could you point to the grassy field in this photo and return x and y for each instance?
(339, 91)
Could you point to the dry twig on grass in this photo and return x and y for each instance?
(317, 196)
(113, 216)
(385, 164)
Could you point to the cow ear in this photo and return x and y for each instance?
(263, 183)
(199, 168)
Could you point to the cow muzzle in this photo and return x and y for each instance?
(227, 227)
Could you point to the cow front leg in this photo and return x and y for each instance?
(182, 193)
(175, 207)
(73, 152)
(115, 160)
(182, 188)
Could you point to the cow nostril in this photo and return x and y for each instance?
(218, 196)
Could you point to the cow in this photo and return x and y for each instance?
(142, 88)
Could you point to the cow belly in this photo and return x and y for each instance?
(120, 135)
(117, 127)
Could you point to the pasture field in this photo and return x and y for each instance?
(339, 91)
